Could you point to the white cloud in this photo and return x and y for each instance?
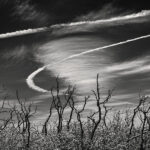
(133, 64)
(139, 65)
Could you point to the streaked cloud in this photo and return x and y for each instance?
(19, 53)
(119, 67)
(27, 12)
(136, 66)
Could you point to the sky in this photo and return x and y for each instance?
(40, 40)
(20, 14)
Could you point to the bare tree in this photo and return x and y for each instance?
(135, 111)
(23, 115)
(78, 113)
(44, 129)
(59, 105)
(72, 106)
(5, 121)
(99, 105)
(143, 110)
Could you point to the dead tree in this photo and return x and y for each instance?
(72, 106)
(99, 105)
(143, 110)
(23, 114)
(106, 110)
(59, 105)
(9, 111)
(44, 129)
(135, 111)
(78, 113)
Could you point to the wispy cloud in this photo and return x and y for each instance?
(30, 78)
(27, 12)
(139, 65)
(18, 53)
(106, 11)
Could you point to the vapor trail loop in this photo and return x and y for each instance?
(31, 77)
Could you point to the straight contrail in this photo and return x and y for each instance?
(42, 29)
(30, 79)
(143, 13)
(23, 32)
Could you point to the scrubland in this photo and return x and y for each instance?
(127, 130)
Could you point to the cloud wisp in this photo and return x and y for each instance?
(143, 13)
(30, 78)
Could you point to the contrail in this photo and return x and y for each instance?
(31, 77)
(31, 83)
(143, 13)
(42, 29)
(23, 32)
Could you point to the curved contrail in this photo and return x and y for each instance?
(30, 78)
(31, 83)
(36, 30)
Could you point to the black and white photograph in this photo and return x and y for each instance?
(74, 75)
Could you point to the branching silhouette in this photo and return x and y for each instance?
(99, 132)
(99, 104)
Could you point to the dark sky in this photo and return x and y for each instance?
(126, 67)
(23, 14)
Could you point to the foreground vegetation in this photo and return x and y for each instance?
(96, 131)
